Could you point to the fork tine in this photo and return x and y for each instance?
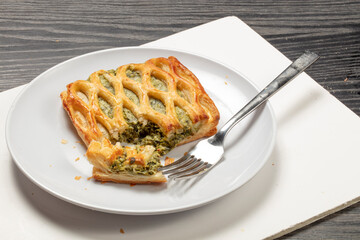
(194, 172)
(191, 162)
(183, 171)
(176, 163)
(185, 168)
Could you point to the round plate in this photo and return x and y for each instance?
(38, 127)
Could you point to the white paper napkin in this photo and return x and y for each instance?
(313, 170)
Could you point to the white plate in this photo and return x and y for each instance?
(37, 124)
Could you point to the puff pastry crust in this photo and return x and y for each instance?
(159, 95)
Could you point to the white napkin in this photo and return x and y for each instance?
(313, 170)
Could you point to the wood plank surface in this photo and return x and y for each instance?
(36, 35)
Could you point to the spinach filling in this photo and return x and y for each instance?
(106, 84)
(132, 96)
(158, 84)
(106, 107)
(157, 105)
(149, 169)
(133, 74)
(148, 134)
(151, 134)
(141, 134)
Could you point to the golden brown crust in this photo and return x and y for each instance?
(127, 178)
(81, 101)
(103, 154)
(199, 106)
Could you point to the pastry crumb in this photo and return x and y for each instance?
(122, 231)
(50, 165)
(85, 188)
(169, 161)
(77, 159)
(132, 184)
(89, 178)
(63, 141)
(225, 83)
(273, 164)
(77, 177)
(78, 142)
(226, 76)
(74, 146)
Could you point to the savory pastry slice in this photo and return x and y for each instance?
(155, 105)
(124, 165)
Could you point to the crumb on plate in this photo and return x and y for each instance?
(77, 177)
(168, 161)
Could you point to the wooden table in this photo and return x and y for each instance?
(36, 35)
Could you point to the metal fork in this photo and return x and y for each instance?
(212, 149)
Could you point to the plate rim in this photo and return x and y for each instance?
(267, 153)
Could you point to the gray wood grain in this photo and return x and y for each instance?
(36, 35)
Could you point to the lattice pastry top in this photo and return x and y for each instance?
(159, 102)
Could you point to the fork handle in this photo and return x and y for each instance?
(292, 71)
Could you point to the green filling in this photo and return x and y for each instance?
(157, 105)
(151, 134)
(150, 169)
(145, 134)
(132, 96)
(158, 84)
(183, 117)
(106, 107)
(129, 116)
(106, 84)
(112, 72)
(134, 75)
